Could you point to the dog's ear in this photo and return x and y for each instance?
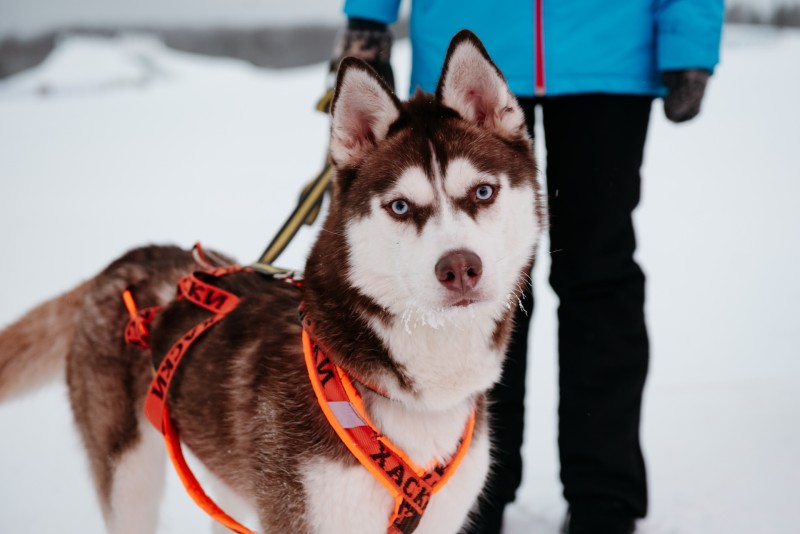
(362, 111)
(472, 85)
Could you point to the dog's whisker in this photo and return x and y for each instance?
(325, 230)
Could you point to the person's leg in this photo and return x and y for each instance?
(507, 413)
(594, 153)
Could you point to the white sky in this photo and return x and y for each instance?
(31, 16)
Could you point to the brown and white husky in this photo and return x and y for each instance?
(412, 284)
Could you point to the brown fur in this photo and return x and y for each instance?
(25, 363)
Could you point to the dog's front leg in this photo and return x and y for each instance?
(281, 502)
(448, 509)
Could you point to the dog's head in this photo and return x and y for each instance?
(435, 210)
(437, 197)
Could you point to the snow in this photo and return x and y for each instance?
(113, 143)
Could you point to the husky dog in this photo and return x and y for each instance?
(412, 284)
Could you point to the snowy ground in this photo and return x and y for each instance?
(114, 143)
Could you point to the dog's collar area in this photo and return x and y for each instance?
(411, 486)
(307, 324)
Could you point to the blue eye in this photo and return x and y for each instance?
(484, 192)
(400, 207)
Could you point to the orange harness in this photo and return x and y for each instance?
(411, 486)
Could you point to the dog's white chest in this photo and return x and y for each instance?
(348, 500)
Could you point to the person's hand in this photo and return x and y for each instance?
(685, 92)
(367, 40)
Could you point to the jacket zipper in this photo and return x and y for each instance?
(539, 48)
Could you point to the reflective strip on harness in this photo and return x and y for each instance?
(346, 414)
(412, 487)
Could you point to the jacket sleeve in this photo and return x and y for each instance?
(379, 10)
(688, 33)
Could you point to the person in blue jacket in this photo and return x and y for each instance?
(592, 69)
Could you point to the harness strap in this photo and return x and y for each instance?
(198, 289)
(411, 486)
(190, 483)
(137, 331)
(156, 401)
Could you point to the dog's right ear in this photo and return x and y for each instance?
(362, 111)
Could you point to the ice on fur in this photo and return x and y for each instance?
(412, 285)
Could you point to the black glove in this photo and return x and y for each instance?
(685, 92)
(368, 40)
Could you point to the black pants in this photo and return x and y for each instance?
(594, 153)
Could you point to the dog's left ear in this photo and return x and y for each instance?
(472, 85)
(362, 111)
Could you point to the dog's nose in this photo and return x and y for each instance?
(459, 270)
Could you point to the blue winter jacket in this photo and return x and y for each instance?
(558, 47)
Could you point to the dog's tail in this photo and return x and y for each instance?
(33, 350)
